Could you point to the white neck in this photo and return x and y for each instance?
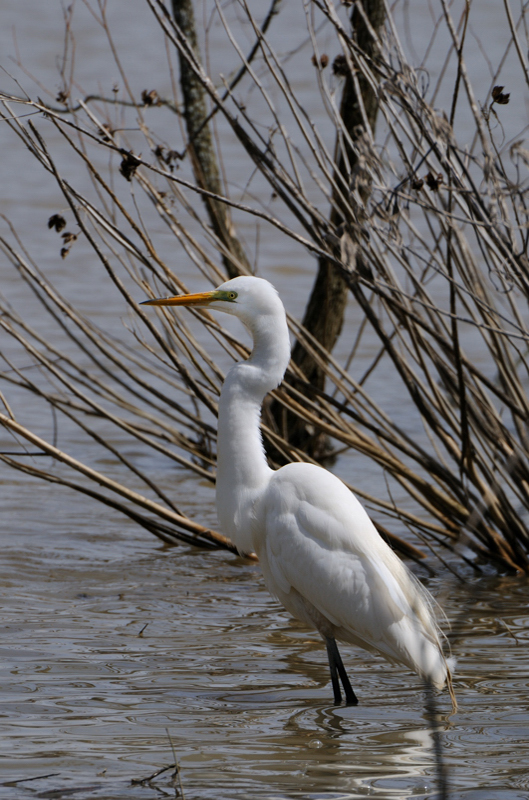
(242, 469)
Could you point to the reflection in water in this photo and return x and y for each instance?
(354, 754)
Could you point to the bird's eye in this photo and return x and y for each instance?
(232, 295)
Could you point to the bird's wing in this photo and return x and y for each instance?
(320, 541)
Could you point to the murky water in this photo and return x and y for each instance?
(119, 655)
(115, 649)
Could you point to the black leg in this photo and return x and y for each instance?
(337, 669)
(332, 649)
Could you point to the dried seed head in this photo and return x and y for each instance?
(104, 132)
(69, 237)
(499, 96)
(434, 181)
(323, 62)
(150, 98)
(339, 65)
(57, 221)
(129, 165)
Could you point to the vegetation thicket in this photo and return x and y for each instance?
(424, 228)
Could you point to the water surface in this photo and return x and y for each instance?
(113, 647)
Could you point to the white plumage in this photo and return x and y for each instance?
(320, 553)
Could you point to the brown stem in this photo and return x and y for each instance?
(325, 310)
(200, 146)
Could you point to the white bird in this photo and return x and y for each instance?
(321, 555)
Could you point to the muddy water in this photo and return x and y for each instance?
(114, 648)
(118, 655)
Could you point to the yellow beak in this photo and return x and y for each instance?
(198, 299)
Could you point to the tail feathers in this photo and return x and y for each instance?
(451, 665)
(443, 675)
(422, 651)
(433, 666)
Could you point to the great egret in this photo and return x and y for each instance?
(320, 553)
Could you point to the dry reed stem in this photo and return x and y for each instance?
(433, 254)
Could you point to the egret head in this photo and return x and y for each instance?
(245, 297)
